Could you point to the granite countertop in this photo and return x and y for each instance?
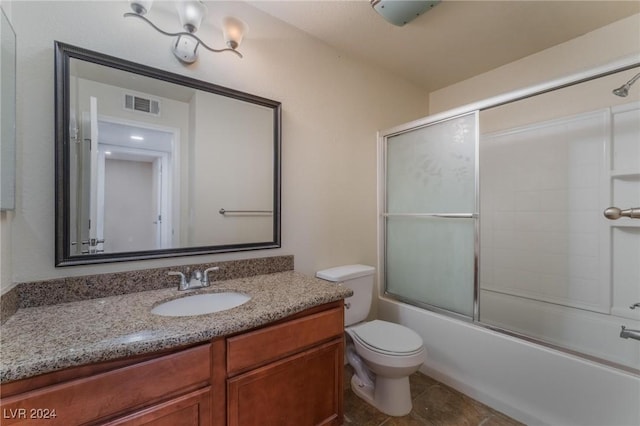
(48, 338)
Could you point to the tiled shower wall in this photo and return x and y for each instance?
(552, 267)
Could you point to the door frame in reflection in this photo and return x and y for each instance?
(165, 186)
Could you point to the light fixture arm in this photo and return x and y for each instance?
(182, 33)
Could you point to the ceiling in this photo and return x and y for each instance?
(453, 41)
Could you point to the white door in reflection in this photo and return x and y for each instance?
(134, 185)
(131, 217)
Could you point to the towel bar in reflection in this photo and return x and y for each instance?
(245, 212)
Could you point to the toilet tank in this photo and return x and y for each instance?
(358, 278)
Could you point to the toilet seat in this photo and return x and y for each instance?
(387, 338)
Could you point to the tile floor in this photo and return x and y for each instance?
(433, 404)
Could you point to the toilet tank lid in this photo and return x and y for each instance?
(346, 272)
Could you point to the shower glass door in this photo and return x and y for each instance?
(430, 214)
(553, 267)
(522, 215)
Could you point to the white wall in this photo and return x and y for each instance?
(598, 47)
(332, 109)
(531, 383)
(233, 169)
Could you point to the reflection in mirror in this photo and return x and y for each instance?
(7, 113)
(156, 164)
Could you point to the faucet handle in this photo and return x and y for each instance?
(183, 279)
(205, 278)
(196, 275)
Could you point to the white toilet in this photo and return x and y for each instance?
(383, 354)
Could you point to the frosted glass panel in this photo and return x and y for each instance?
(430, 260)
(432, 169)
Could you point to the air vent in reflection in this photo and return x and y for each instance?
(137, 103)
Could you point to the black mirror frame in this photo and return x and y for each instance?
(63, 257)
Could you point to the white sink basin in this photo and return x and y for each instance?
(200, 304)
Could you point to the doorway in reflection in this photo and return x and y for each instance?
(127, 170)
(134, 187)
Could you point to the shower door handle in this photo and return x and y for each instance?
(614, 213)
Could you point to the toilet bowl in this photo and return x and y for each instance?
(382, 354)
(392, 352)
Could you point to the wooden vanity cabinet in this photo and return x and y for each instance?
(288, 373)
(156, 390)
(303, 389)
(187, 410)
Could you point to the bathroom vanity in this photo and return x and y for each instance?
(277, 359)
(289, 373)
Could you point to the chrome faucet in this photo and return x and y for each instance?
(196, 280)
(626, 333)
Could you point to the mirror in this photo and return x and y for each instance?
(7, 114)
(152, 164)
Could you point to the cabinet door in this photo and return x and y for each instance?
(193, 409)
(302, 390)
(108, 394)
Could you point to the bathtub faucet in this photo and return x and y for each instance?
(626, 333)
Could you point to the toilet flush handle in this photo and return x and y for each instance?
(347, 305)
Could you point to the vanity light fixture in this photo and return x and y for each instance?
(191, 13)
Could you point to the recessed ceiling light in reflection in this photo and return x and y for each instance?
(137, 138)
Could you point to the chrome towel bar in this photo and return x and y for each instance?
(223, 211)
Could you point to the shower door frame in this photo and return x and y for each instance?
(622, 64)
(382, 215)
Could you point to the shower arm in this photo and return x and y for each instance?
(624, 89)
(633, 80)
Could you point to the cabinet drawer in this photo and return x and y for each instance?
(192, 409)
(118, 391)
(303, 389)
(270, 343)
